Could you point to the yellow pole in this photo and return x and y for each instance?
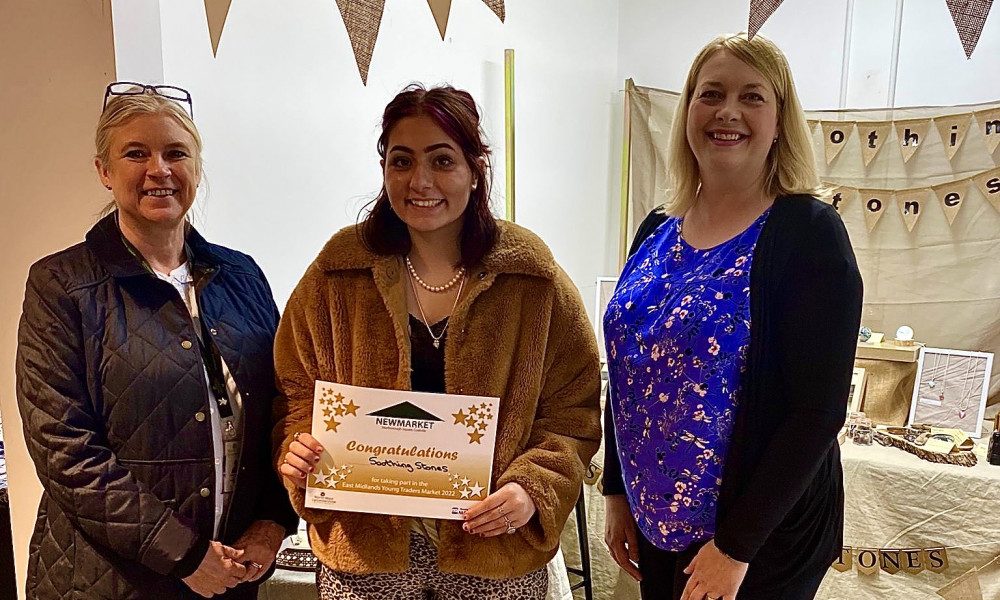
(508, 88)
(626, 168)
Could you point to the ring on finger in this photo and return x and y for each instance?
(500, 510)
(510, 527)
(296, 436)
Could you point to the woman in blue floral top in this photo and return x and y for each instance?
(722, 471)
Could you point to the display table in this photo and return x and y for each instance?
(893, 500)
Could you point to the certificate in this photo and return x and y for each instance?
(401, 453)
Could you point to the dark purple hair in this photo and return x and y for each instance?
(454, 111)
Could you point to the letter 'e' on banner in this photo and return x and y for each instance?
(952, 130)
(951, 196)
(841, 196)
(988, 184)
(872, 135)
(835, 136)
(867, 561)
(911, 205)
(911, 135)
(912, 560)
(846, 560)
(873, 204)
(989, 126)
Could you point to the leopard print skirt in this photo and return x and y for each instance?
(423, 581)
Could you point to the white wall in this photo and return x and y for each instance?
(290, 130)
(657, 42)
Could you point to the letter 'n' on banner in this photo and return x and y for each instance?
(951, 196)
(867, 561)
(890, 560)
(989, 126)
(911, 135)
(872, 134)
(953, 129)
(911, 205)
(873, 203)
(835, 136)
(989, 184)
(841, 196)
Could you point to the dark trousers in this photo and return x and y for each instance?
(8, 587)
(663, 576)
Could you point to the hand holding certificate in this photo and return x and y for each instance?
(400, 453)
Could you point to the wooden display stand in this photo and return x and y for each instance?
(891, 372)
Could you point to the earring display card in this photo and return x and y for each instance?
(951, 389)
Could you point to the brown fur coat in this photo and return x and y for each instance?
(520, 333)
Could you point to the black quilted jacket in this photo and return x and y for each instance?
(113, 397)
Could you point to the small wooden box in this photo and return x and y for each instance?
(888, 351)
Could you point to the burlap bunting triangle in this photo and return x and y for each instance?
(216, 12)
(362, 19)
(760, 12)
(969, 17)
(441, 9)
(498, 8)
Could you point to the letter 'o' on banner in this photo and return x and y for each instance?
(873, 203)
(872, 136)
(952, 130)
(835, 136)
(867, 561)
(911, 206)
(951, 196)
(988, 184)
(841, 196)
(989, 126)
(846, 561)
(911, 135)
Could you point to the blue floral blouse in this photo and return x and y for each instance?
(677, 331)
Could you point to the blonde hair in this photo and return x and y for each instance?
(791, 166)
(121, 109)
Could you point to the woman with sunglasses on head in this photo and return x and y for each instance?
(430, 293)
(145, 381)
(731, 338)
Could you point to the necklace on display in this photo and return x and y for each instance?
(965, 397)
(436, 339)
(437, 289)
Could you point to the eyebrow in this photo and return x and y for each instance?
(431, 148)
(745, 87)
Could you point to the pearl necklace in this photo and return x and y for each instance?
(437, 289)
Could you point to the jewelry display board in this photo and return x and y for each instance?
(951, 389)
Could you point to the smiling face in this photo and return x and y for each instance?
(152, 170)
(732, 119)
(427, 178)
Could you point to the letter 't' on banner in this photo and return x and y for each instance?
(841, 196)
(846, 560)
(835, 136)
(952, 130)
(872, 134)
(911, 135)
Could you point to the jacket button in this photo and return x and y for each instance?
(186, 344)
(214, 331)
(205, 492)
(199, 416)
(460, 390)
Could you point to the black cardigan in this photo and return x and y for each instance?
(781, 504)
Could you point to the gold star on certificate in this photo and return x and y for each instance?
(332, 424)
(454, 486)
(459, 417)
(351, 408)
(474, 437)
(465, 493)
(343, 476)
(339, 410)
(327, 412)
(475, 490)
(320, 478)
(333, 470)
(470, 422)
(339, 397)
(482, 425)
(465, 481)
(332, 483)
(483, 406)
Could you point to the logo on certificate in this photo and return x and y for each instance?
(406, 417)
